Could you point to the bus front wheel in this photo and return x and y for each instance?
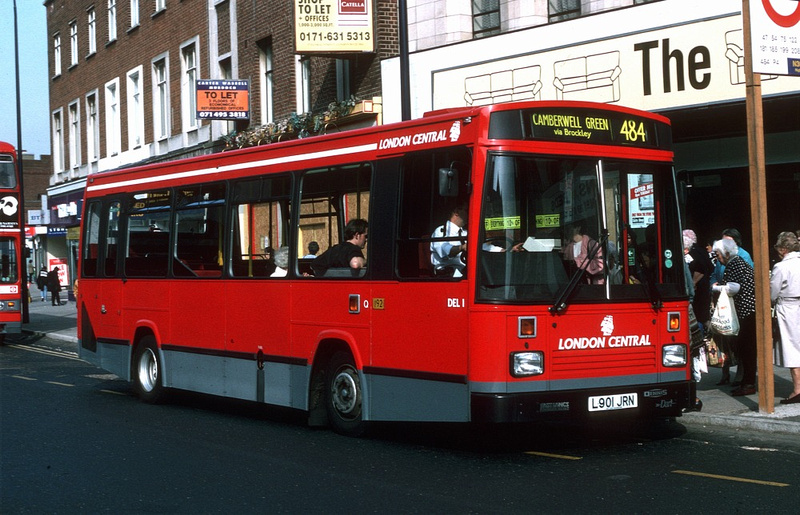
(344, 396)
(147, 371)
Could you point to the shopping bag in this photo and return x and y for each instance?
(715, 357)
(724, 320)
(777, 345)
(700, 361)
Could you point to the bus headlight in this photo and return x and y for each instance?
(529, 363)
(674, 355)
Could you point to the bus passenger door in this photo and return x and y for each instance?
(101, 285)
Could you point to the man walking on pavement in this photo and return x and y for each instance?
(54, 285)
(41, 283)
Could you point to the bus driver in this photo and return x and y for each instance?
(448, 257)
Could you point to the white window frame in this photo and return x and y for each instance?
(113, 118)
(57, 121)
(73, 43)
(160, 5)
(161, 121)
(92, 127)
(91, 22)
(74, 110)
(112, 20)
(190, 72)
(303, 79)
(56, 54)
(265, 70)
(135, 111)
(134, 13)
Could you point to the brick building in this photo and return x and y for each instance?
(123, 78)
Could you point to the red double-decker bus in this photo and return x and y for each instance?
(563, 296)
(11, 245)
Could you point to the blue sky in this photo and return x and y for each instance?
(34, 79)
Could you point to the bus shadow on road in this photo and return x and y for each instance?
(513, 438)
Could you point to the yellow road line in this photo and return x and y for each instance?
(729, 478)
(549, 455)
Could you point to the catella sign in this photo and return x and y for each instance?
(340, 26)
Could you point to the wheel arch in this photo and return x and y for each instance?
(328, 345)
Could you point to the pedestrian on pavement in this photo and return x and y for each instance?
(54, 284)
(41, 283)
(738, 282)
(784, 292)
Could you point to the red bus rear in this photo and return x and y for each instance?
(563, 296)
(11, 245)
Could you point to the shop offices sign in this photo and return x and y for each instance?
(775, 36)
(340, 26)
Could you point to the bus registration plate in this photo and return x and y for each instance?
(613, 402)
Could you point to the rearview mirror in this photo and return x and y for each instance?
(448, 181)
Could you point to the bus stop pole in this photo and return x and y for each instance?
(758, 216)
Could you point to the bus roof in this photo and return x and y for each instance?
(441, 128)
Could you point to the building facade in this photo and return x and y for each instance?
(123, 77)
(680, 58)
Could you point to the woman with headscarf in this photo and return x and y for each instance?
(739, 283)
(784, 291)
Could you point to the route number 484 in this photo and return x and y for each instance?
(633, 131)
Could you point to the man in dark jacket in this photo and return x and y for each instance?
(54, 285)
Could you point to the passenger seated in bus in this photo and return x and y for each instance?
(448, 257)
(577, 252)
(346, 254)
(313, 249)
(281, 262)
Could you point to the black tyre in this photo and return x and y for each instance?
(344, 396)
(147, 371)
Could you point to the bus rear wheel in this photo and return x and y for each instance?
(344, 396)
(147, 371)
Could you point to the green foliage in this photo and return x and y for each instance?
(295, 126)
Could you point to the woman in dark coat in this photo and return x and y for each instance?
(739, 283)
(54, 285)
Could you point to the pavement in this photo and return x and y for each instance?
(719, 407)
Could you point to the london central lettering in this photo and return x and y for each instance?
(603, 342)
(413, 139)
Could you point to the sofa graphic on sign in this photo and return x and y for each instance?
(734, 52)
(504, 86)
(593, 77)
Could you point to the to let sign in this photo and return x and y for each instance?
(775, 36)
(340, 26)
(223, 99)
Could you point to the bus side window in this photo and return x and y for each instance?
(261, 211)
(112, 234)
(331, 198)
(198, 231)
(91, 239)
(148, 231)
(423, 208)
